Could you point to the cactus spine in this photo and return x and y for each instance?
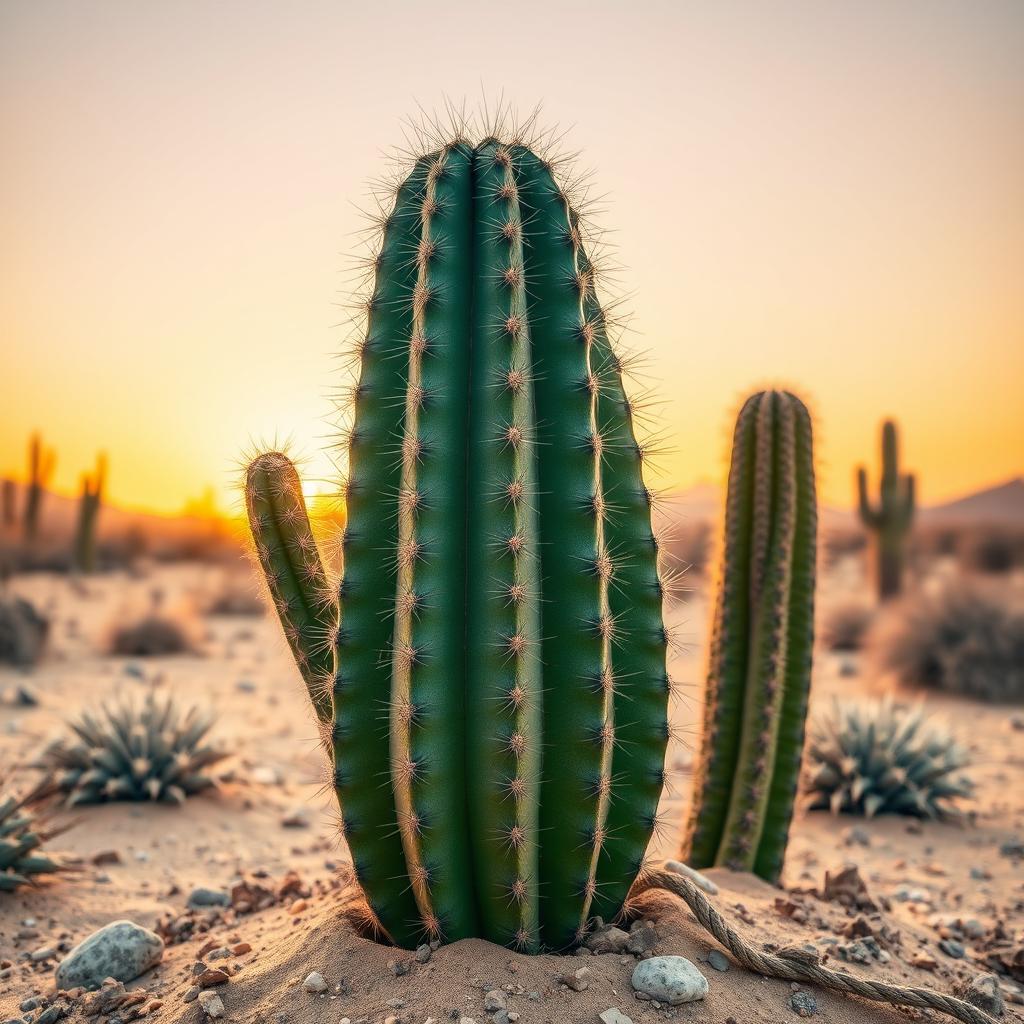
(478, 699)
(88, 515)
(40, 472)
(889, 521)
(762, 634)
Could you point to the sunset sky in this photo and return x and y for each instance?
(827, 195)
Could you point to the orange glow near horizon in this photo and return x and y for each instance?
(829, 197)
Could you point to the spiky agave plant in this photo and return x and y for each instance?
(23, 832)
(490, 673)
(759, 668)
(127, 752)
(881, 758)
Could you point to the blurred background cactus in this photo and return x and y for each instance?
(8, 504)
(88, 514)
(524, 650)
(890, 520)
(41, 464)
(759, 667)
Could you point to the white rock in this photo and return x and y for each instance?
(670, 979)
(701, 881)
(212, 1004)
(121, 950)
(315, 983)
(614, 1016)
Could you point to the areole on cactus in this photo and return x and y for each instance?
(490, 674)
(759, 666)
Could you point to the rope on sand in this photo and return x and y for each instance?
(802, 965)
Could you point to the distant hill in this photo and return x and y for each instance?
(1002, 505)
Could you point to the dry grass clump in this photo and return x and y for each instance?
(846, 626)
(963, 640)
(993, 551)
(156, 633)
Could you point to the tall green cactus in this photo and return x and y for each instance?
(889, 521)
(759, 666)
(491, 677)
(40, 472)
(88, 515)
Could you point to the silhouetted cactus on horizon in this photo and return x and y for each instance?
(88, 514)
(40, 472)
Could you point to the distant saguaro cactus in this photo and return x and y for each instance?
(491, 676)
(889, 521)
(41, 464)
(88, 514)
(8, 504)
(759, 667)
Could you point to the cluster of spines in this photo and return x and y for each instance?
(88, 515)
(759, 663)
(891, 519)
(41, 463)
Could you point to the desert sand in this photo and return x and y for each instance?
(269, 834)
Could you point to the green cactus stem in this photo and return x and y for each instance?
(498, 712)
(41, 463)
(88, 514)
(760, 653)
(890, 520)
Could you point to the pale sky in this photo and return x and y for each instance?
(828, 195)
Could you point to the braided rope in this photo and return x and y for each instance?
(801, 965)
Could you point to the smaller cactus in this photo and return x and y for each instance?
(88, 514)
(889, 521)
(879, 758)
(127, 753)
(40, 472)
(22, 835)
(8, 504)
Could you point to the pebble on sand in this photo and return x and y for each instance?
(670, 979)
(315, 983)
(212, 1004)
(121, 950)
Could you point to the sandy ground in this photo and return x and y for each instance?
(924, 876)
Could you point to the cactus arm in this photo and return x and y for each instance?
(362, 688)
(577, 707)
(868, 516)
(798, 655)
(771, 574)
(503, 671)
(294, 573)
(640, 679)
(727, 661)
(428, 714)
(909, 500)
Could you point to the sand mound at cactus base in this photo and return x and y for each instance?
(286, 947)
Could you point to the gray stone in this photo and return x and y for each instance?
(202, 897)
(953, 948)
(614, 1016)
(608, 940)
(315, 983)
(121, 950)
(494, 1001)
(803, 1003)
(212, 1004)
(718, 960)
(670, 979)
(642, 937)
(50, 1015)
(701, 881)
(984, 993)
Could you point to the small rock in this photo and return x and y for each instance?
(614, 1016)
(50, 1015)
(701, 881)
(1013, 847)
(298, 817)
(121, 950)
(315, 983)
(856, 836)
(106, 857)
(201, 898)
(191, 995)
(952, 948)
(212, 1004)
(578, 980)
(984, 993)
(925, 961)
(670, 979)
(803, 1003)
(212, 976)
(642, 937)
(608, 940)
(494, 1001)
(423, 953)
(718, 960)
